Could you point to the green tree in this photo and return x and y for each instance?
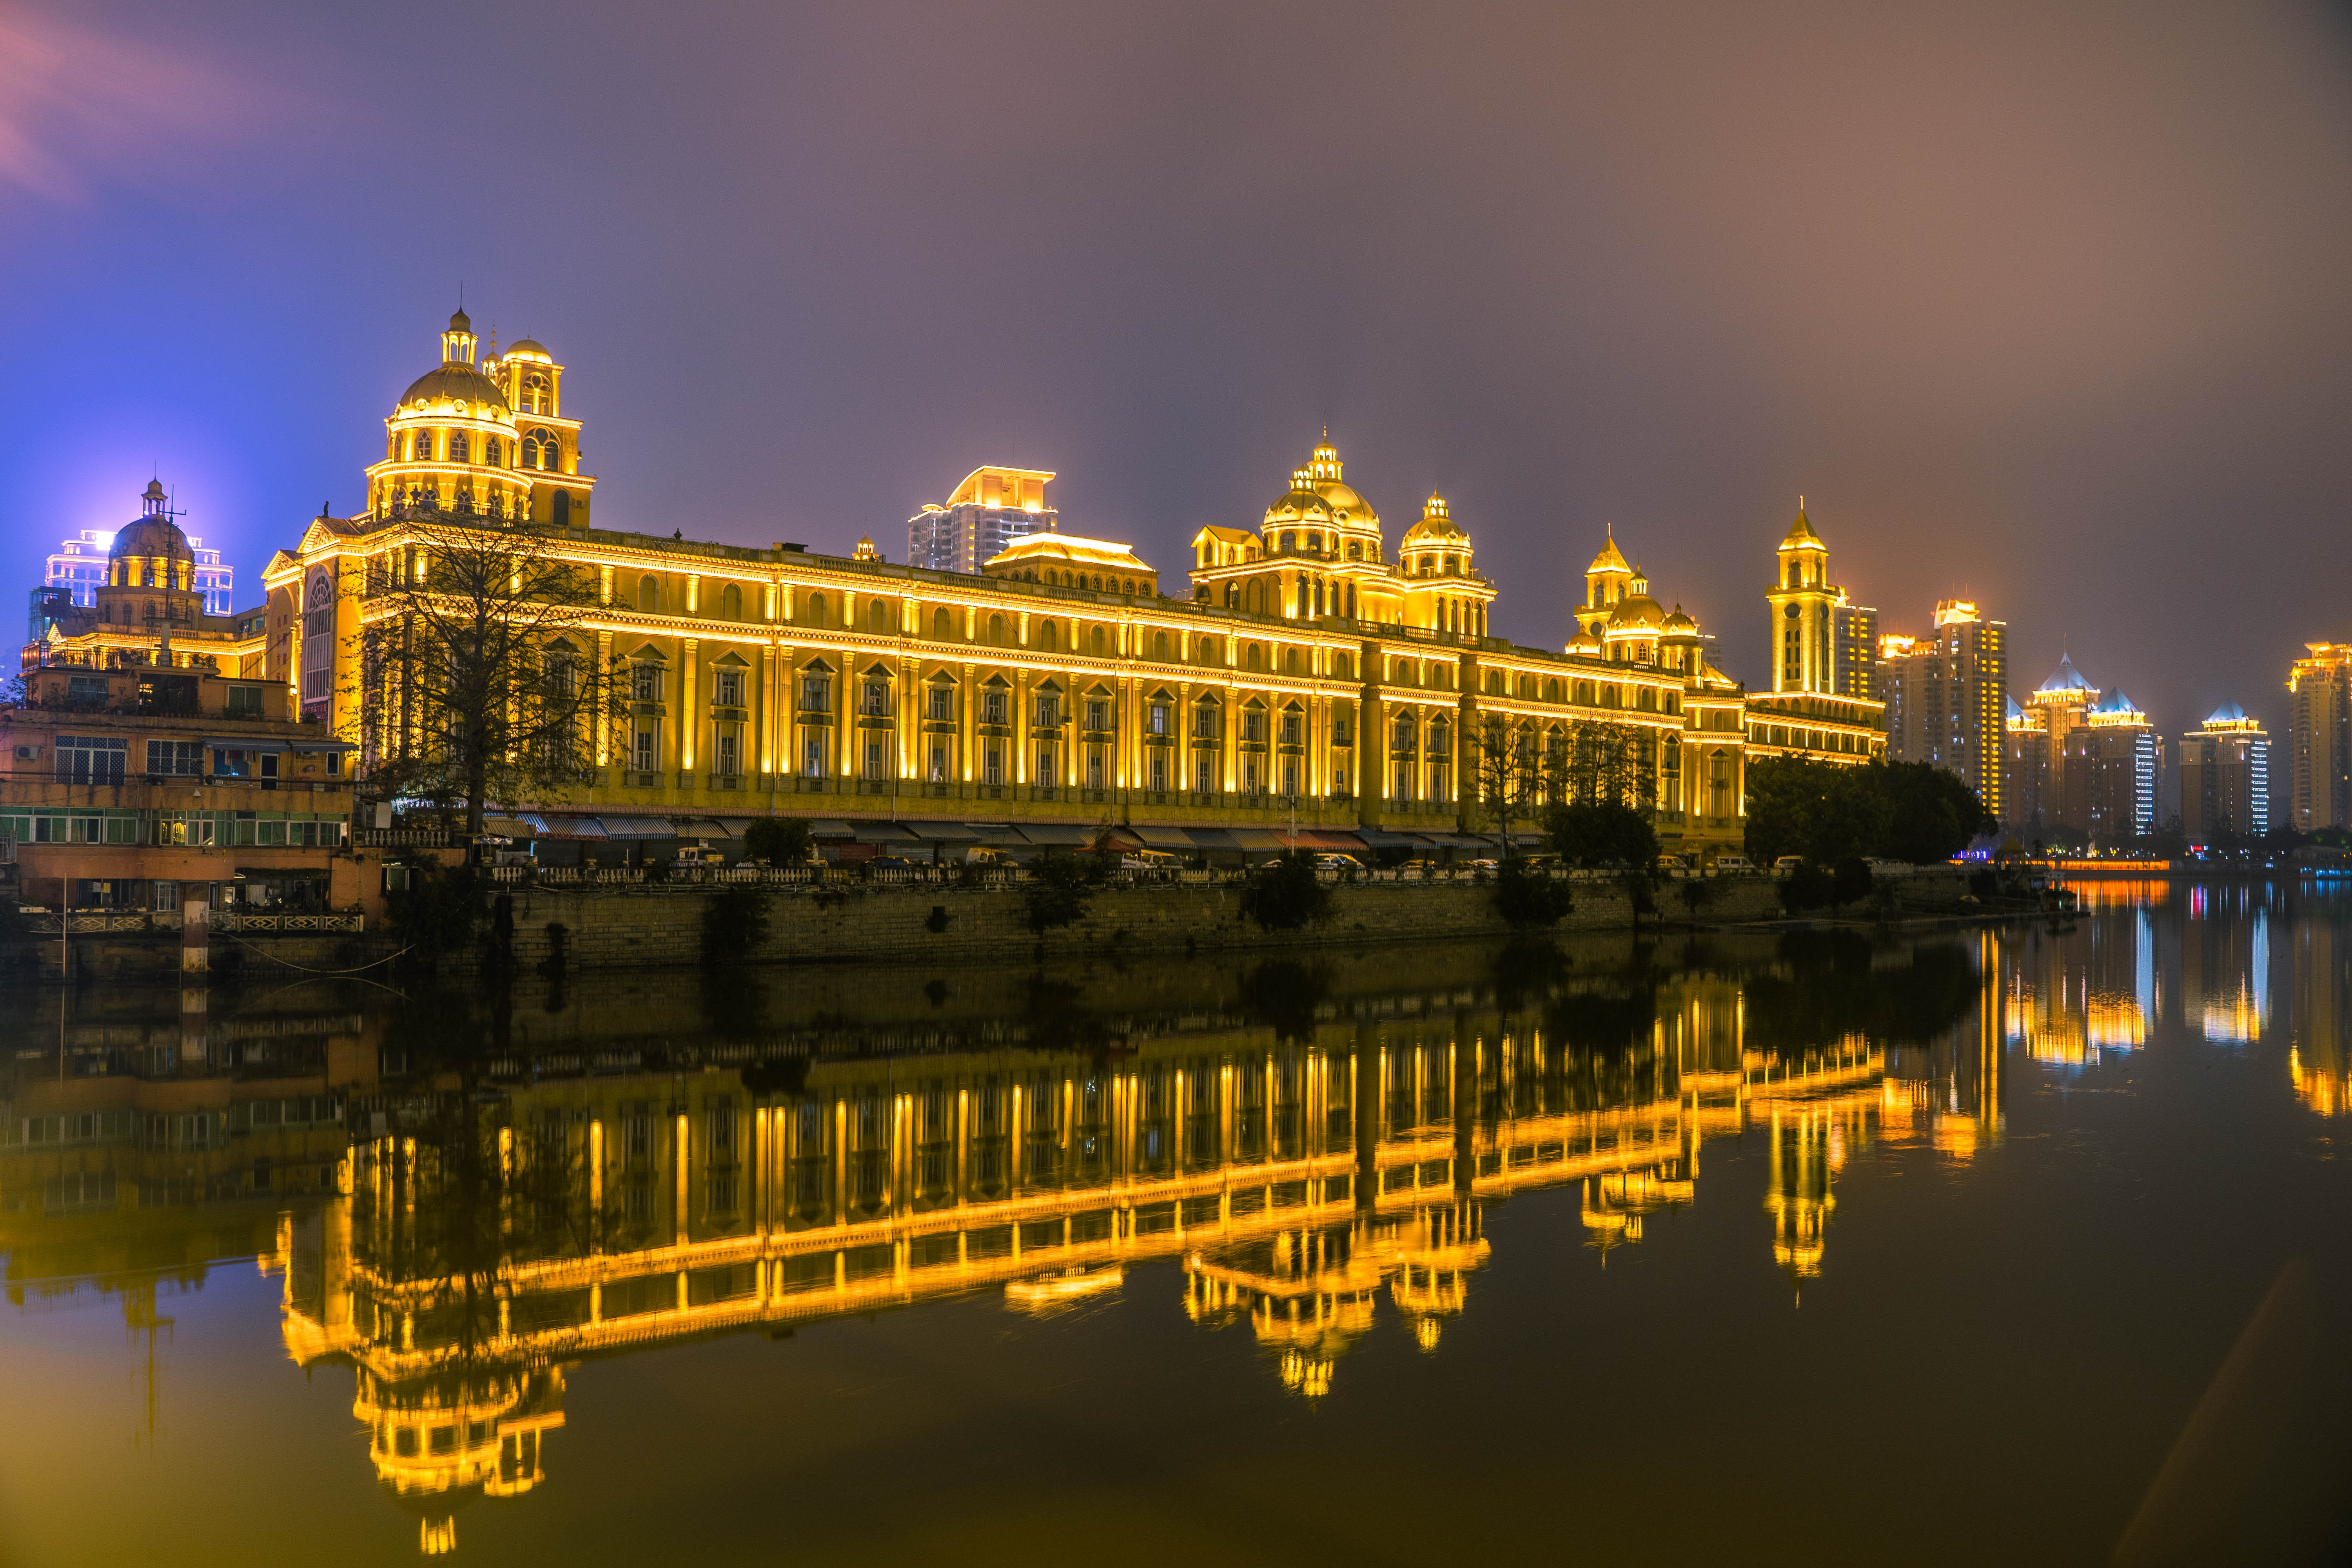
(1606, 763)
(734, 922)
(779, 841)
(1286, 894)
(1530, 900)
(1509, 776)
(1825, 812)
(1601, 833)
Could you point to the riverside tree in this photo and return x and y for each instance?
(1827, 813)
(477, 679)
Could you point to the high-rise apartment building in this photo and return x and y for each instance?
(2319, 738)
(78, 566)
(1853, 650)
(2225, 777)
(2110, 770)
(992, 507)
(1946, 698)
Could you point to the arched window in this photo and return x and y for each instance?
(996, 631)
(563, 509)
(648, 594)
(1290, 544)
(942, 628)
(1256, 657)
(1097, 641)
(816, 610)
(1355, 550)
(877, 618)
(535, 395)
(420, 447)
(461, 449)
(1048, 638)
(1342, 667)
(1129, 586)
(1257, 598)
(492, 453)
(731, 603)
(1160, 645)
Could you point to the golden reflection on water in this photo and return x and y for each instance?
(462, 1253)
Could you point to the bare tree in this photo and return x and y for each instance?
(1512, 778)
(477, 679)
(1610, 764)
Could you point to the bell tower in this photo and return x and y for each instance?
(1802, 601)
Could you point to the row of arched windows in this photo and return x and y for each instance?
(539, 449)
(1056, 578)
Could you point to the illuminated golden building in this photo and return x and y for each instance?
(1821, 705)
(2225, 777)
(1308, 674)
(2320, 1037)
(2319, 738)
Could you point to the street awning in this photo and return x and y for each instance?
(1213, 838)
(831, 828)
(737, 826)
(1379, 839)
(1331, 842)
(245, 742)
(703, 828)
(1163, 838)
(509, 826)
(1256, 838)
(1059, 835)
(998, 834)
(942, 832)
(565, 827)
(637, 828)
(882, 833)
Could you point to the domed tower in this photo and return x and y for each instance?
(1316, 553)
(548, 441)
(1605, 583)
(1443, 588)
(1636, 624)
(1802, 603)
(453, 443)
(151, 571)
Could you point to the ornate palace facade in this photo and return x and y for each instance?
(1312, 675)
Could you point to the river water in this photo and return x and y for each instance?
(1806, 1248)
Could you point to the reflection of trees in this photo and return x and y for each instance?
(1284, 994)
(1831, 985)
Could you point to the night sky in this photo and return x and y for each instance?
(2043, 306)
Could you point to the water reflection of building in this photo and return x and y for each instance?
(2071, 997)
(1307, 1190)
(463, 1251)
(2320, 1030)
(2225, 963)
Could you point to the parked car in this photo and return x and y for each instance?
(1417, 868)
(1733, 864)
(1337, 863)
(1155, 861)
(891, 863)
(1480, 865)
(1787, 865)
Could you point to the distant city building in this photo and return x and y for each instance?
(2113, 773)
(78, 566)
(1853, 650)
(2319, 738)
(992, 507)
(2225, 777)
(2080, 759)
(1946, 698)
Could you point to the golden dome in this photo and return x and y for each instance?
(1637, 611)
(1678, 622)
(529, 348)
(454, 383)
(1435, 524)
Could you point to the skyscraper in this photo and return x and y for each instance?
(994, 507)
(1946, 698)
(2225, 777)
(2319, 738)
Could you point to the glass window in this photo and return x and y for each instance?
(90, 759)
(729, 690)
(165, 758)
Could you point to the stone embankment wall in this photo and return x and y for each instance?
(617, 929)
(638, 927)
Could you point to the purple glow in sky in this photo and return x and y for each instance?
(2044, 307)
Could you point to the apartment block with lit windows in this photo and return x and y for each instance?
(2225, 775)
(1946, 698)
(2318, 785)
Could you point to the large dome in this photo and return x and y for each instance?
(455, 382)
(1345, 503)
(1297, 504)
(149, 539)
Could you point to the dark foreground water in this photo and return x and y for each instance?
(1799, 1250)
